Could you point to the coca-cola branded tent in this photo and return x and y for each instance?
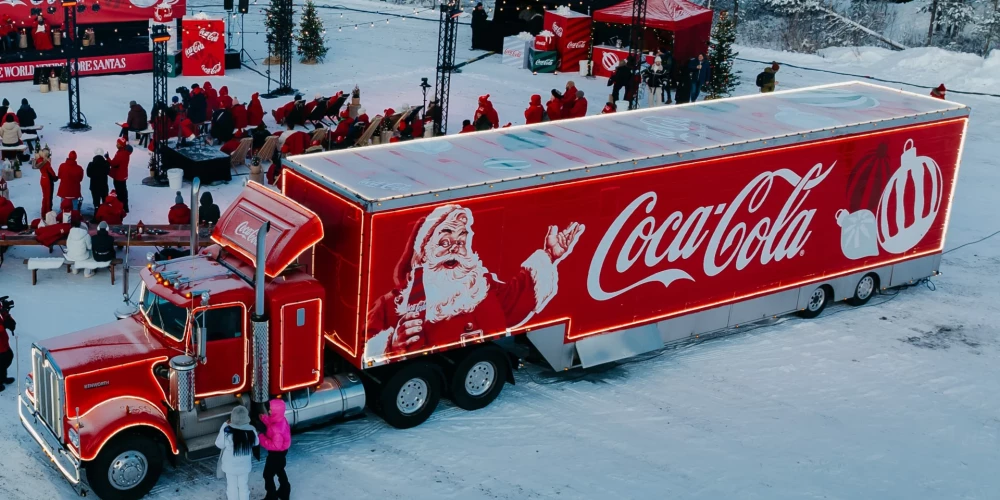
(690, 24)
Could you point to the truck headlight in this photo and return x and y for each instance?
(74, 437)
(29, 386)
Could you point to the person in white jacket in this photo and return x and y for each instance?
(236, 440)
(78, 248)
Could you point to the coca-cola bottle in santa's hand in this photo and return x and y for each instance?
(416, 306)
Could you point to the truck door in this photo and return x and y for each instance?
(226, 351)
(300, 346)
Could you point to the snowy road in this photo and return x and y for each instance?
(896, 400)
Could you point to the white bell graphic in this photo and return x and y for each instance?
(858, 237)
(896, 235)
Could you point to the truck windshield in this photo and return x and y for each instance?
(163, 315)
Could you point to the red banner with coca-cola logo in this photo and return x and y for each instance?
(572, 30)
(204, 47)
(606, 60)
(608, 253)
(93, 12)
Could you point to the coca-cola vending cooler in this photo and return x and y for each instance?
(572, 30)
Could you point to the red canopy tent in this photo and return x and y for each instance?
(690, 24)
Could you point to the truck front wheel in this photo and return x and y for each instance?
(410, 395)
(479, 378)
(126, 468)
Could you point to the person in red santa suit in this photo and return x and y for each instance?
(609, 108)
(70, 177)
(42, 34)
(225, 102)
(467, 127)
(486, 117)
(535, 111)
(255, 112)
(568, 100)
(230, 146)
(553, 108)
(239, 112)
(111, 211)
(343, 127)
(580, 106)
(119, 170)
(211, 99)
(445, 294)
(47, 179)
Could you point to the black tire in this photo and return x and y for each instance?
(818, 300)
(866, 288)
(410, 395)
(479, 378)
(131, 445)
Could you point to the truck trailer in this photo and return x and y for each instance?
(391, 276)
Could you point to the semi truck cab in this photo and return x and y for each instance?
(210, 331)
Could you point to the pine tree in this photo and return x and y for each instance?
(723, 79)
(274, 28)
(311, 41)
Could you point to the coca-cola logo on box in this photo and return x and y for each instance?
(661, 241)
(582, 44)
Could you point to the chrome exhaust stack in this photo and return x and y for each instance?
(195, 188)
(182, 383)
(261, 350)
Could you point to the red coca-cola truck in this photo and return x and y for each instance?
(394, 275)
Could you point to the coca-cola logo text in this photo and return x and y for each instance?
(513, 52)
(195, 48)
(214, 70)
(558, 30)
(244, 231)
(582, 44)
(212, 36)
(544, 62)
(741, 235)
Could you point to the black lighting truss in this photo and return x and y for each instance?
(636, 38)
(447, 31)
(160, 38)
(283, 49)
(77, 122)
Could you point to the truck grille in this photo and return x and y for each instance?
(49, 390)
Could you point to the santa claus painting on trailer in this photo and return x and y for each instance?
(444, 293)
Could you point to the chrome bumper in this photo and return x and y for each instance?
(68, 464)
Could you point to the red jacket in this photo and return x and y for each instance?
(607, 109)
(468, 128)
(486, 108)
(340, 133)
(240, 116)
(231, 145)
(568, 101)
(119, 164)
(211, 99)
(48, 177)
(111, 211)
(535, 111)
(579, 108)
(224, 100)
(554, 108)
(418, 128)
(187, 128)
(255, 112)
(70, 177)
(179, 214)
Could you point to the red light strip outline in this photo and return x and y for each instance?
(319, 348)
(150, 361)
(246, 353)
(150, 324)
(281, 199)
(334, 337)
(567, 320)
(170, 437)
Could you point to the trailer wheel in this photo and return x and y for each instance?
(410, 396)
(126, 468)
(864, 290)
(817, 302)
(479, 378)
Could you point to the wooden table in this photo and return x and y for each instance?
(175, 236)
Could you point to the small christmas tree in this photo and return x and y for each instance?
(310, 38)
(275, 28)
(723, 80)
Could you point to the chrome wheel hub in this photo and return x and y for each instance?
(412, 396)
(817, 299)
(128, 470)
(480, 378)
(865, 287)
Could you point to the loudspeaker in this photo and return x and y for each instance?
(227, 4)
(244, 6)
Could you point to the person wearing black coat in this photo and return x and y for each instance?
(98, 170)
(683, 93)
(102, 244)
(208, 211)
(4, 107)
(197, 109)
(223, 125)
(620, 79)
(667, 59)
(26, 115)
(260, 133)
(297, 116)
(479, 20)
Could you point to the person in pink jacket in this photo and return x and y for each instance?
(276, 440)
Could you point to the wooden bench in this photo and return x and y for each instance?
(31, 141)
(144, 136)
(42, 263)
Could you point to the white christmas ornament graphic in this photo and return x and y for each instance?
(898, 228)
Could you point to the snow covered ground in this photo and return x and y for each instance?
(897, 400)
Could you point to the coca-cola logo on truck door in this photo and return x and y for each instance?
(658, 241)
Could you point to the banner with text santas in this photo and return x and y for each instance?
(204, 46)
(572, 30)
(603, 254)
